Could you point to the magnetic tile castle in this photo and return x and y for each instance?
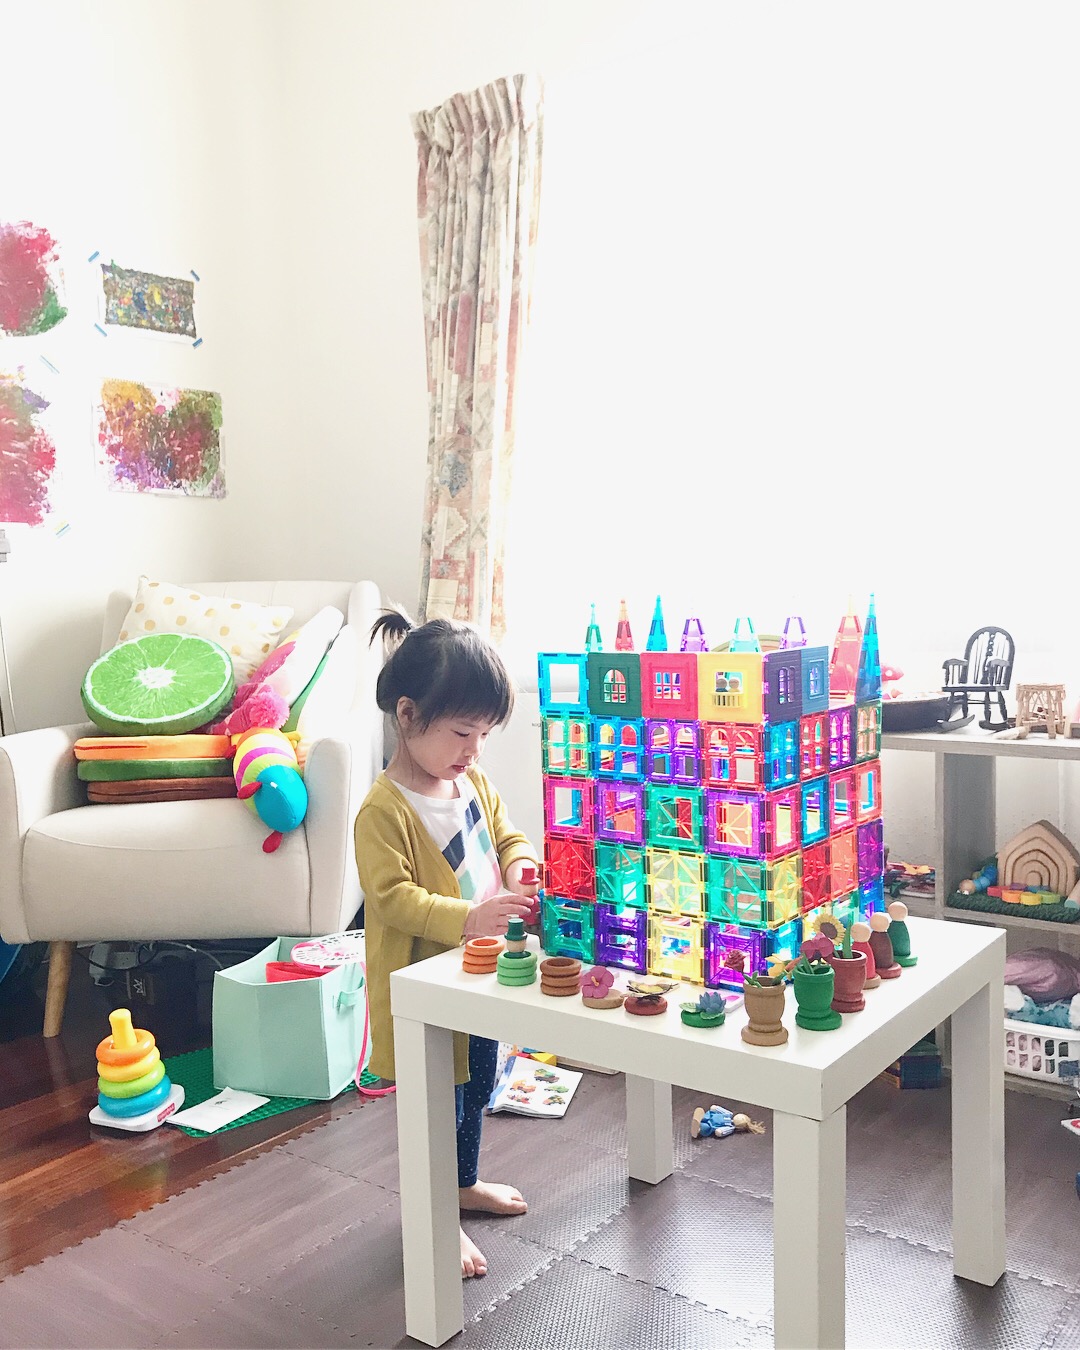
(702, 807)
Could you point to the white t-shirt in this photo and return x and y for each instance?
(459, 830)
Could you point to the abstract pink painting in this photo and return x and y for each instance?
(161, 440)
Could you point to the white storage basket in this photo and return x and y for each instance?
(1037, 1051)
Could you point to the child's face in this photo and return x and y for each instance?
(448, 746)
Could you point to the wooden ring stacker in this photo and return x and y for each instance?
(559, 976)
(481, 955)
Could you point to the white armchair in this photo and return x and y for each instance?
(186, 870)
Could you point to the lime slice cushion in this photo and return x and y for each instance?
(164, 683)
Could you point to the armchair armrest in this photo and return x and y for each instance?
(37, 779)
(955, 669)
(337, 773)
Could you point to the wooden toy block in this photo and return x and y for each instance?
(669, 685)
(731, 687)
(620, 876)
(732, 755)
(676, 948)
(843, 864)
(671, 751)
(781, 741)
(813, 744)
(815, 680)
(676, 881)
(815, 818)
(614, 684)
(619, 748)
(568, 927)
(620, 812)
(569, 867)
(870, 850)
(842, 792)
(567, 744)
(673, 816)
(841, 735)
(868, 790)
(569, 807)
(867, 730)
(563, 682)
(782, 672)
(622, 937)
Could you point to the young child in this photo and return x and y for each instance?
(439, 861)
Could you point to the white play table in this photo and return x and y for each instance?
(807, 1084)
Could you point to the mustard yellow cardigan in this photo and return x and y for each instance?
(412, 903)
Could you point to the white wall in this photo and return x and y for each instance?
(820, 254)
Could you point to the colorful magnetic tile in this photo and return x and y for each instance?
(619, 748)
(731, 687)
(614, 684)
(815, 680)
(567, 740)
(815, 876)
(815, 811)
(620, 875)
(569, 806)
(676, 948)
(569, 867)
(735, 822)
(620, 812)
(671, 751)
(783, 819)
(568, 928)
(783, 685)
(841, 735)
(813, 744)
(784, 878)
(732, 953)
(870, 847)
(784, 941)
(842, 799)
(622, 938)
(673, 816)
(669, 685)
(736, 890)
(868, 730)
(781, 754)
(843, 864)
(563, 682)
(872, 897)
(731, 755)
(868, 790)
(676, 881)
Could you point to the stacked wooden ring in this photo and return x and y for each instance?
(560, 976)
(481, 955)
(131, 1075)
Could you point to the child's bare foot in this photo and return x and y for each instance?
(473, 1260)
(491, 1198)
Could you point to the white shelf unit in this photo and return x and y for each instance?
(965, 812)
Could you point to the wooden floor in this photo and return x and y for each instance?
(63, 1179)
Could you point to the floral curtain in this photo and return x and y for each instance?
(478, 199)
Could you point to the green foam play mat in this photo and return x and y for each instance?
(194, 1072)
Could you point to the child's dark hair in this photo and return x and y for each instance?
(447, 668)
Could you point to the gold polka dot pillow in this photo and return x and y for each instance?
(249, 632)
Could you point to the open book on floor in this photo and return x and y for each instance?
(532, 1088)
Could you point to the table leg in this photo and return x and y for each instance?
(978, 1136)
(808, 1231)
(650, 1153)
(427, 1159)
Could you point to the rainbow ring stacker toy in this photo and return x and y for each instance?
(134, 1091)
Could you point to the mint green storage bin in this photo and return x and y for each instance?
(296, 1038)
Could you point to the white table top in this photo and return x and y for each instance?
(811, 1075)
(973, 740)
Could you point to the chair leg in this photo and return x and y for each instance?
(60, 954)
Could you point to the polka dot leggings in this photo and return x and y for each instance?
(471, 1098)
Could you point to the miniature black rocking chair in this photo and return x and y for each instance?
(985, 670)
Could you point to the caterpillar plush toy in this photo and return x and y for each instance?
(268, 778)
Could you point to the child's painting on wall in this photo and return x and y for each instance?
(147, 301)
(160, 440)
(31, 280)
(27, 453)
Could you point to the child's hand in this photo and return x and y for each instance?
(514, 881)
(491, 918)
